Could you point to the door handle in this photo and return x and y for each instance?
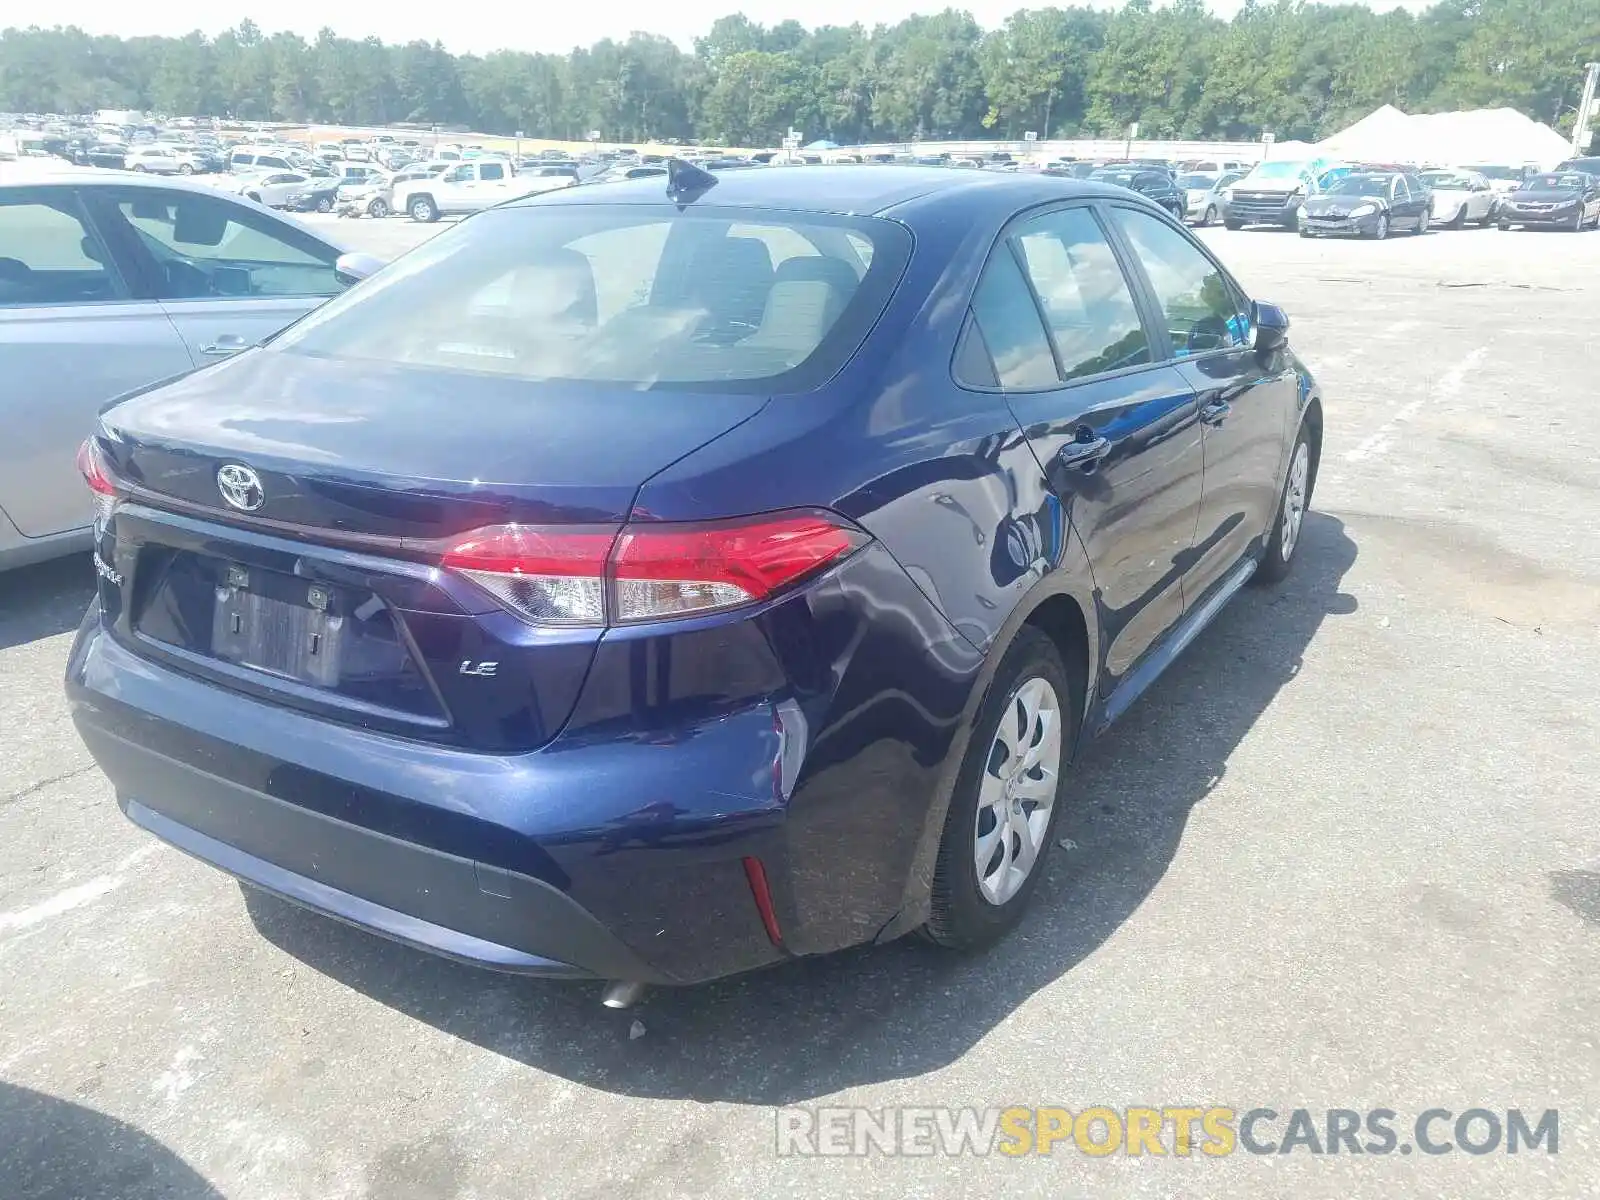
(1084, 452)
(226, 343)
(1215, 412)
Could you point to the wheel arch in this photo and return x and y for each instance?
(1061, 604)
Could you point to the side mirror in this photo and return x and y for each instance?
(353, 268)
(1272, 327)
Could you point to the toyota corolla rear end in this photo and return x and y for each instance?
(383, 628)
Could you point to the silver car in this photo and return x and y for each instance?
(1202, 194)
(111, 281)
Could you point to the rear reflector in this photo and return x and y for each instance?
(558, 576)
(756, 874)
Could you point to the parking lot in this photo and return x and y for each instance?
(1344, 855)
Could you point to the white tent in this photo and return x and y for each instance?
(1501, 136)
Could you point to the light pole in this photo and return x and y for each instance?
(1580, 124)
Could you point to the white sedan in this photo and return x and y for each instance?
(1461, 196)
(154, 160)
(274, 187)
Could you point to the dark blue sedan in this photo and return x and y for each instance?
(658, 580)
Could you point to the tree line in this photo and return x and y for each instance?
(1299, 70)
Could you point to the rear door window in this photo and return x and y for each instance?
(50, 253)
(491, 171)
(1009, 321)
(1087, 303)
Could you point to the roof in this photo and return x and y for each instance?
(850, 190)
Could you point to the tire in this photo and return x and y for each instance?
(378, 208)
(1505, 226)
(1382, 231)
(1304, 232)
(1459, 221)
(1422, 224)
(185, 169)
(972, 909)
(1488, 218)
(139, 168)
(1288, 520)
(1577, 222)
(1209, 217)
(422, 208)
(324, 205)
(1228, 224)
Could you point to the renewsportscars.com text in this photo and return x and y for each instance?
(1177, 1131)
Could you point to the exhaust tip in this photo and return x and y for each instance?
(622, 994)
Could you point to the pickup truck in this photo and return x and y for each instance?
(469, 187)
(1274, 192)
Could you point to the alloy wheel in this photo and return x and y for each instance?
(1018, 790)
(1294, 499)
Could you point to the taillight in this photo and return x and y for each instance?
(557, 576)
(95, 474)
(550, 576)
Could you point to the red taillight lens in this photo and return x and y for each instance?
(95, 474)
(684, 569)
(550, 576)
(93, 470)
(592, 577)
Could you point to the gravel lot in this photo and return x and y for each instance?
(1344, 855)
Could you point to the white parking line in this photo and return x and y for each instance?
(1376, 444)
(73, 897)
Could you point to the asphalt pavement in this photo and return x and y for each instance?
(1344, 856)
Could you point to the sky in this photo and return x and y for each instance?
(481, 27)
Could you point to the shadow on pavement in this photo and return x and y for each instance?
(817, 1026)
(44, 599)
(55, 1150)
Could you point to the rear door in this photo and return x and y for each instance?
(1114, 428)
(1245, 403)
(72, 337)
(228, 275)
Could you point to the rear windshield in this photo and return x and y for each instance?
(631, 295)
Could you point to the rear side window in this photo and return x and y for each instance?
(491, 171)
(1087, 303)
(1009, 321)
(1202, 309)
(49, 254)
(636, 296)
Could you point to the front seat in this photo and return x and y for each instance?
(809, 292)
(730, 281)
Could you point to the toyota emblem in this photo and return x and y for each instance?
(240, 487)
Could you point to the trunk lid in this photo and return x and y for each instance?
(321, 595)
(405, 452)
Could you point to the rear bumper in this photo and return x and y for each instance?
(544, 864)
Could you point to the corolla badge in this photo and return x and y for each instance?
(240, 487)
